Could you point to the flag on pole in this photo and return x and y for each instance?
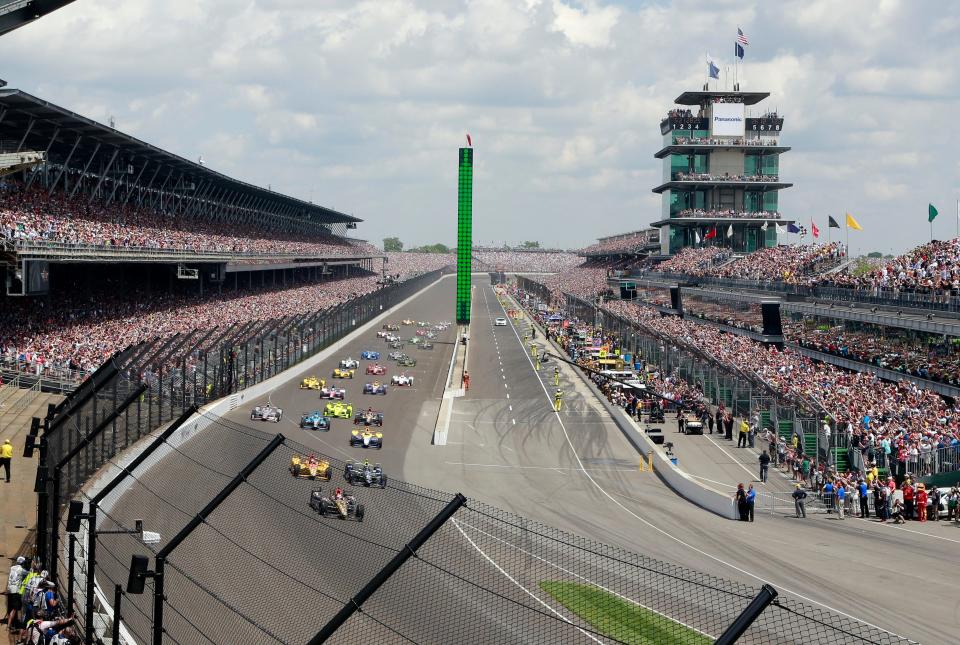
(730, 231)
(712, 68)
(738, 50)
(696, 237)
(931, 213)
(742, 37)
(469, 141)
(764, 226)
(852, 223)
(813, 227)
(832, 223)
(792, 228)
(778, 229)
(712, 234)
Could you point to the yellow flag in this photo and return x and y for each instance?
(852, 223)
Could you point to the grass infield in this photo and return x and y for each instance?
(619, 619)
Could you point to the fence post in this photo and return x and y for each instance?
(756, 607)
(117, 599)
(71, 576)
(164, 553)
(391, 567)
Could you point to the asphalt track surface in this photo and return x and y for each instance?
(507, 447)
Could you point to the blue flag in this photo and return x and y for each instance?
(712, 69)
(793, 228)
(738, 50)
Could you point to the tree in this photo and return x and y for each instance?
(875, 254)
(431, 248)
(531, 245)
(392, 244)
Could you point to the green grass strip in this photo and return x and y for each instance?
(622, 620)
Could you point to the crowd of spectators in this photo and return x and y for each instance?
(32, 215)
(786, 263)
(930, 268)
(628, 242)
(695, 261)
(705, 176)
(78, 332)
(725, 141)
(728, 214)
(35, 608)
(910, 355)
(402, 265)
(531, 261)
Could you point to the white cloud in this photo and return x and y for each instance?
(590, 26)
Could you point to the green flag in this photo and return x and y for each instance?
(931, 213)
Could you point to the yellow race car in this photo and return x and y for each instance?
(407, 321)
(342, 373)
(339, 409)
(312, 383)
(310, 467)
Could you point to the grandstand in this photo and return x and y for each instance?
(720, 173)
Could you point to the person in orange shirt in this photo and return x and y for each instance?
(921, 502)
(466, 381)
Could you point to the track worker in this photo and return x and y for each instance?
(799, 495)
(558, 400)
(556, 376)
(6, 456)
(466, 381)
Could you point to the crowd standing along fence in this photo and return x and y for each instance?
(148, 385)
(244, 559)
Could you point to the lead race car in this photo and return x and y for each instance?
(341, 504)
(333, 393)
(315, 420)
(375, 388)
(390, 327)
(364, 473)
(368, 417)
(377, 369)
(310, 467)
(340, 372)
(339, 409)
(402, 380)
(266, 412)
(366, 438)
(369, 355)
(349, 363)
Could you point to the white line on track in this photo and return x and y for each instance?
(514, 421)
(514, 581)
(732, 458)
(667, 534)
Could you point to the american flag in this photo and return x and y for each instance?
(742, 37)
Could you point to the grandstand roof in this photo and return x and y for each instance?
(696, 98)
(17, 13)
(36, 124)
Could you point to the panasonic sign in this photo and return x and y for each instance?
(728, 120)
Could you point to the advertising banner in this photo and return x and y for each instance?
(728, 120)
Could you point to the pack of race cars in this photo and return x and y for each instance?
(367, 429)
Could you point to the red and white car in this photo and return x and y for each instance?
(401, 380)
(337, 393)
(376, 369)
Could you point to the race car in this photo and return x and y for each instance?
(374, 388)
(376, 369)
(406, 361)
(370, 356)
(431, 335)
(364, 473)
(333, 393)
(368, 418)
(315, 420)
(421, 332)
(312, 383)
(693, 427)
(340, 504)
(382, 334)
(407, 321)
(395, 356)
(349, 364)
(390, 327)
(339, 372)
(401, 380)
(266, 413)
(500, 322)
(427, 345)
(339, 409)
(392, 338)
(366, 438)
(396, 345)
(423, 323)
(310, 468)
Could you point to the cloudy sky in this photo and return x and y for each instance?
(361, 106)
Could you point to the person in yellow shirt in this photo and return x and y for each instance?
(6, 455)
(742, 437)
